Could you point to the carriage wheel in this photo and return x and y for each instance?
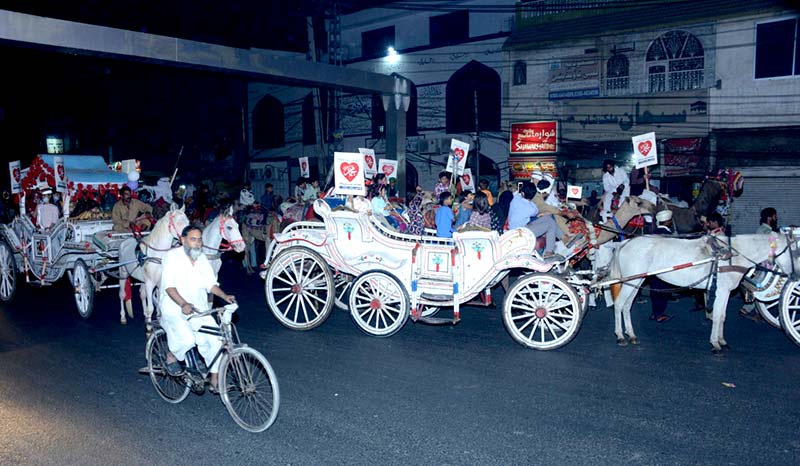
(542, 312)
(790, 311)
(171, 389)
(8, 273)
(249, 389)
(342, 283)
(770, 311)
(379, 304)
(299, 288)
(83, 287)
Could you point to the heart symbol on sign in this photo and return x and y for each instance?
(349, 170)
(459, 153)
(16, 174)
(303, 166)
(466, 179)
(61, 172)
(574, 191)
(387, 170)
(644, 147)
(370, 160)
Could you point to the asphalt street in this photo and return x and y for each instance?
(70, 393)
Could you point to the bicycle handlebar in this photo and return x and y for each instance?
(231, 308)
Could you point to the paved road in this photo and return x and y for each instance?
(70, 393)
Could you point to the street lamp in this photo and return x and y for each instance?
(392, 56)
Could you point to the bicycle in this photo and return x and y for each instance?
(247, 383)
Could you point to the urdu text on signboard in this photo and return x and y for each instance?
(534, 137)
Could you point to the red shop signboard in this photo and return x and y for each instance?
(534, 137)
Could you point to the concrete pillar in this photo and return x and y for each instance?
(396, 142)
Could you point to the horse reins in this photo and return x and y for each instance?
(229, 247)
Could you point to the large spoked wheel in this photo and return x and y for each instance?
(83, 288)
(342, 283)
(379, 304)
(249, 389)
(542, 312)
(790, 311)
(171, 389)
(770, 312)
(299, 288)
(8, 273)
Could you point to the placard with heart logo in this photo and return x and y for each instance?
(304, 167)
(458, 153)
(645, 152)
(574, 192)
(467, 180)
(348, 175)
(16, 176)
(388, 167)
(370, 169)
(61, 182)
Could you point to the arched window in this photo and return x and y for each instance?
(268, 126)
(675, 62)
(520, 73)
(379, 114)
(473, 78)
(617, 74)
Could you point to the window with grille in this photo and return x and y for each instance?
(520, 73)
(617, 74)
(675, 62)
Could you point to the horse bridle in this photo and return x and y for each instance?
(222, 221)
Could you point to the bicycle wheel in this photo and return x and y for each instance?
(171, 389)
(249, 389)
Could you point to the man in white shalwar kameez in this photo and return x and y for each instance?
(615, 180)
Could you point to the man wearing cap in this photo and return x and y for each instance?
(127, 210)
(46, 213)
(615, 181)
(659, 297)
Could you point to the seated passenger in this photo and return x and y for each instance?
(444, 216)
(46, 213)
(465, 207)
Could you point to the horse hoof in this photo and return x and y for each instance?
(716, 351)
(726, 347)
(622, 342)
(123, 322)
(634, 341)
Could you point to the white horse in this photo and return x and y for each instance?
(153, 247)
(223, 227)
(652, 253)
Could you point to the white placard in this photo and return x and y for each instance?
(61, 176)
(388, 168)
(348, 173)
(305, 170)
(370, 162)
(467, 180)
(16, 176)
(644, 150)
(574, 192)
(458, 151)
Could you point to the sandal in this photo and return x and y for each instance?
(213, 388)
(174, 369)
(663, 318)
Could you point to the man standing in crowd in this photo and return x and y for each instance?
(767, 224)
(127, 210)
(659, 297)
(615, 182)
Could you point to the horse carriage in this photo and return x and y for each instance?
(87, 250)
(383, 277)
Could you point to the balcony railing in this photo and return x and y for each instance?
(617, 86)
(676, 81)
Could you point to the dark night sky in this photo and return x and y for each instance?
(140, 110)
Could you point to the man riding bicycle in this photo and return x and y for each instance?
(186, 280)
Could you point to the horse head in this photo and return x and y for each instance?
(229, 230)
(633, 207)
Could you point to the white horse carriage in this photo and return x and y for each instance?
(85, 249)
(384, 277)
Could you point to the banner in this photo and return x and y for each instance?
(523, 167)
(683, 156)
(644, 150)
(305, 170)
(458, 152)
(534, 137)
(348, 173)
(467, 181)
(388, 168)
(574, 192)
(370, 168)
(61, 177)
(16, 176)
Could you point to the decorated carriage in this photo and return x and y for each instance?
(385, 277)
(83, 247)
